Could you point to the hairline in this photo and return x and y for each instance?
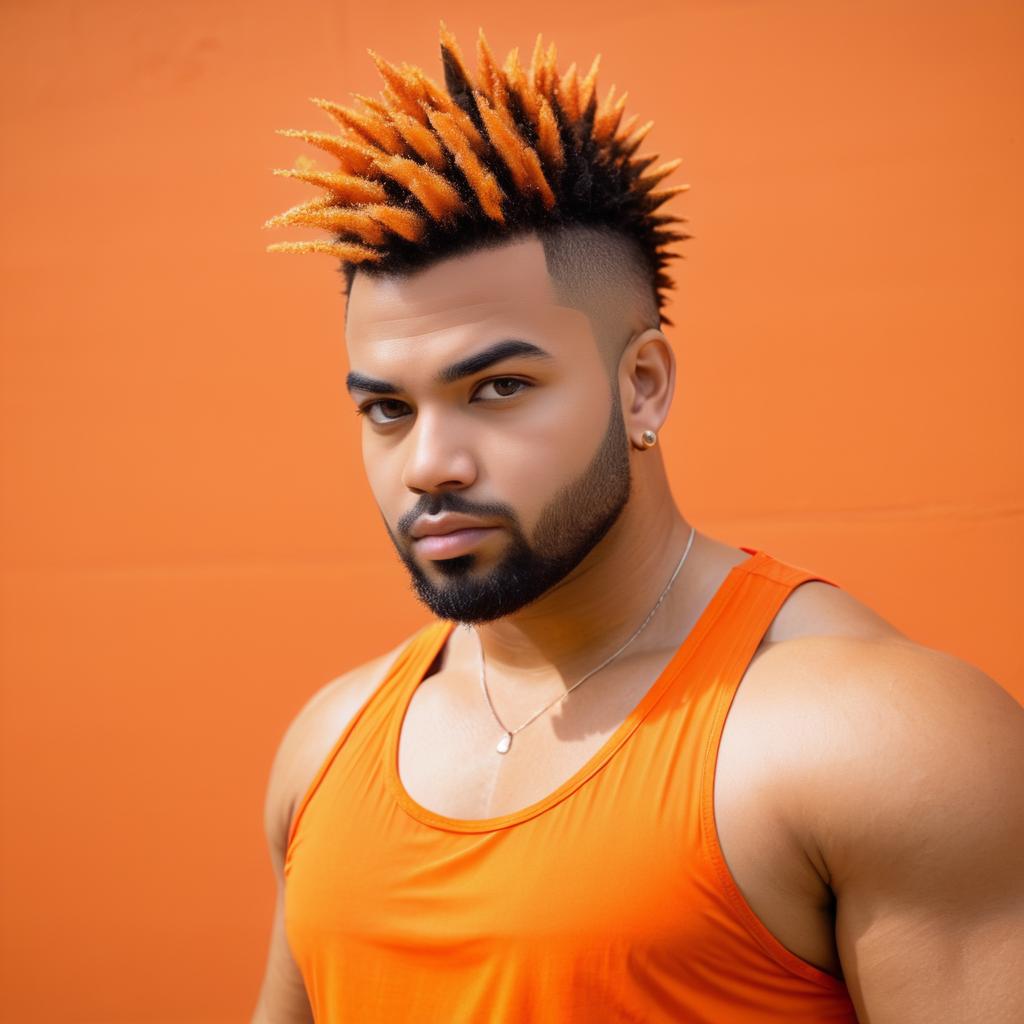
(569, 249)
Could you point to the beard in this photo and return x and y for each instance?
(570, 526)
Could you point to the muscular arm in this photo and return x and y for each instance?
(282, 997)
(306, 743)
(920, 821)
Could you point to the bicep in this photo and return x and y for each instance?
(282, 997)
(928, 881)
(306, 742)
(938, 957)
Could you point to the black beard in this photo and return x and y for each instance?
(570, 526)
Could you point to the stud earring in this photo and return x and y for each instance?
(649, 438)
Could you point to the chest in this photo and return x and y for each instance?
(448, 756)
(447, 762)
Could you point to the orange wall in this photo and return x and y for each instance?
(189, 548)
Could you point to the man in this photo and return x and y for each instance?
(654, 777)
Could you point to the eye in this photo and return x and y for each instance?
(385, 406)
(500, 383)
(389, 410)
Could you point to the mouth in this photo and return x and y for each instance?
(450, 545)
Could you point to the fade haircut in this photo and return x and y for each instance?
(425, 172)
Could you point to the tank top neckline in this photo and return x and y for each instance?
(442, 629)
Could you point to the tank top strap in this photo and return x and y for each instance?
(765, 584)
(410, 667)
(407, 669)
(412, 661)
(755, 601)
(785, 573)
(421, 650)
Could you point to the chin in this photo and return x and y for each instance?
(457, 566)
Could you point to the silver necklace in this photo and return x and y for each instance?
(505, 743)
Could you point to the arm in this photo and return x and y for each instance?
(922, 830)
(282, 997)
(306, 744)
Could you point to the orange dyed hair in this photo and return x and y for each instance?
(424, 172)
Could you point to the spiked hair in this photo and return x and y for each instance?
(426, 172)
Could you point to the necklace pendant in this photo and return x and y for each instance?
(504, 743)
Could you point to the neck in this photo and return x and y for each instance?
(592, 612)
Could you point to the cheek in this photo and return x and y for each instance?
(383, 474)
(550, 441)
(522, 455)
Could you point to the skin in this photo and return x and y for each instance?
(879, 841)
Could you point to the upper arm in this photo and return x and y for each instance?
(306, 742)
(922, 830)
(282, 997)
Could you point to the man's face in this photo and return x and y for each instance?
(484, 398)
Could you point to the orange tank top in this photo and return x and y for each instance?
(609, 900)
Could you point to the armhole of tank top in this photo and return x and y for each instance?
(411, 650)
(728, 888)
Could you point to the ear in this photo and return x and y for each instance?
(647, 380)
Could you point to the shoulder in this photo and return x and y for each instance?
(879, 694)
(311, 734)
(896, 754)
(900, 777)
(817, 608)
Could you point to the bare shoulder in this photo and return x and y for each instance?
(897, 768)
(864, 693)
(872, 690)
(312, 733)
(816, 608)
(892, 750)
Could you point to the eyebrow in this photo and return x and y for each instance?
(506, 349)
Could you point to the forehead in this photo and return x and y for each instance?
(455, 300)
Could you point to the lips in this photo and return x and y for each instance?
(449, 534)
(450, 545)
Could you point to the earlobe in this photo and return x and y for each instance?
(648, 439)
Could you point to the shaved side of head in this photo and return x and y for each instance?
(604, 274)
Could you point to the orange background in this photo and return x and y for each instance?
(189, 547)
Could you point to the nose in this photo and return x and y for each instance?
(438, 455)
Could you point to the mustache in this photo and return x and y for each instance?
(452, 501)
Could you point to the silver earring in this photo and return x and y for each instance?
(649, 438)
